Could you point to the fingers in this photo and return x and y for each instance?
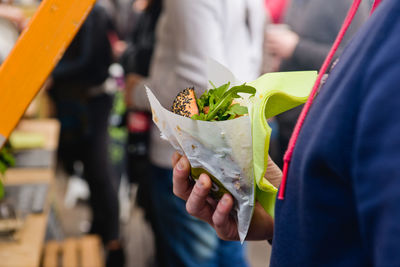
(224, 224)
(175, 158)
(197, 204)
(181, 183)
(198, 201)
(273, 46)
(272, 39)
(212, 202)
(221, 214)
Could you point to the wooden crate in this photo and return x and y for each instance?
(74, 252)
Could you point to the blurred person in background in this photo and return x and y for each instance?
(121, 19)
(303, 43)
(276, 9)
(123, 15)
(136, 61)
(12, 22)
(188, 33)
(141, 42)
(83, 107)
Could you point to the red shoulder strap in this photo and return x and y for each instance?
(375, 5)
(292, 143)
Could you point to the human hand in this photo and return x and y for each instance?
(217, 214)
(281, 42)
(131, 81)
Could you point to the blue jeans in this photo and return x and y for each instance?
(182, 240)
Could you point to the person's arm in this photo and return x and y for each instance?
(376, 166)
(309, 53)
(303, 49)
(195, 28)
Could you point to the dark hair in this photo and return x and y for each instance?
(154, 4)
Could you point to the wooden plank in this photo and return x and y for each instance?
(51, 252)
(15, 176)
(26, 251)
(91, 251)
(70, 253)
(49, 128)
(36, 53)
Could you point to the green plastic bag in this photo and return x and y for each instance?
(276, 93)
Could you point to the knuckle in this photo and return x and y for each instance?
(178, 180)
(222, 236)
(176, 192)
(198, 191)
(175, 175)
(191, 209)
(180, 177)
(201, 189)
(217, 219)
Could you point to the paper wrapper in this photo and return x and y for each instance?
(235, 152)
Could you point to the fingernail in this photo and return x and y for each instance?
(180, 165)
(200, 183)
(225, 200)
(202, 179)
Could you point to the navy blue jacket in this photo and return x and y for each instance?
(342, 201)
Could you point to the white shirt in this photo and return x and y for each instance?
(188, 33)
(8, 37)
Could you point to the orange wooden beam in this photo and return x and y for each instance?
(36, 53)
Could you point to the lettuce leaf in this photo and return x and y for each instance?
(219, 100)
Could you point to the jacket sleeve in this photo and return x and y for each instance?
(376, 168)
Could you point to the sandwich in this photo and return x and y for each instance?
(217, 104)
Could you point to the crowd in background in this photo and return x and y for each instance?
(165, 44)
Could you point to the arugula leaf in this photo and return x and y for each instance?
(226, 100)
(236, 110)
(200, 117)
(217, 102)
(212, 96)
(220, 91)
